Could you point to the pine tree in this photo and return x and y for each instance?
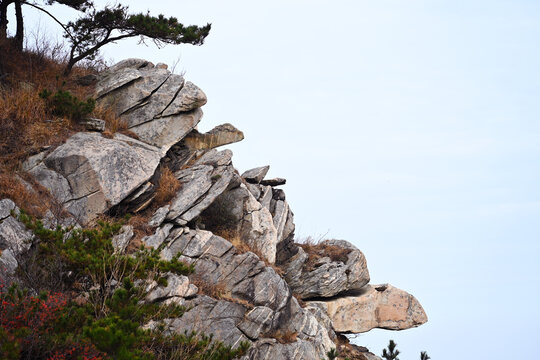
(332, 354)
(424, 356)
(19, 35)
(392, 352)
(98, 27)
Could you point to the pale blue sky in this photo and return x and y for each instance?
(409, 128)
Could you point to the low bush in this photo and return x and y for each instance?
(100, 311)
(64, 104)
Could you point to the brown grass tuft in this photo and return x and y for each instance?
(32, 197)
(107, 134)
(284, 337)
(217, 291)
(318, 250)
(346, 350)
(26, 123)
(241, 246)
(234, 238)
(167, 188)
(113, 123)
(140, 226)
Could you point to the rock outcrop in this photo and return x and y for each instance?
(90, 173)
(220, 135)
(327, 277)
(237, 231)
(376, 306)
(158, 106)
(202, 183)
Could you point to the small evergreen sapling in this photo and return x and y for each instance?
(332, 354)
(392, 352)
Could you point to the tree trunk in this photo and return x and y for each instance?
(19, 35)
(3, 20)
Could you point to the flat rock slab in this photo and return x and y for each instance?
(273, 349)
(256, 175)
(220, 135)
(6, 207)
(379, 306)
(90, 173)
(15, 239)
(274, 182)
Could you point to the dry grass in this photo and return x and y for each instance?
(217, 291)
(167, 188)
(26, 123)
(234, 238)
(241, 246)
(113, 123)
(140, 226)
(346, 350)
(321, 249)
(283, 337)
(33, 198)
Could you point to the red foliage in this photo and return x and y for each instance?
(29, 322)
(76, 352)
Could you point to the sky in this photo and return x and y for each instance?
(409, 128)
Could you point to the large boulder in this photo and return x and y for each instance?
(158, 106)
(377, 306)
(90, 173)
(326, 269)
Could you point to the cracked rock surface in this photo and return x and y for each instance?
(158, 106)
(14, 239)
(90, 173)
(201, 183)
(256, 302)
(327, 278)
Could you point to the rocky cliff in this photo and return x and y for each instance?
(252, 282)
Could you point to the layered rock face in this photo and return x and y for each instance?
(237, 230)
(160, 107)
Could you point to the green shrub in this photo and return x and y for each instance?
(63, 103)
(332, 354)
(108, 321)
